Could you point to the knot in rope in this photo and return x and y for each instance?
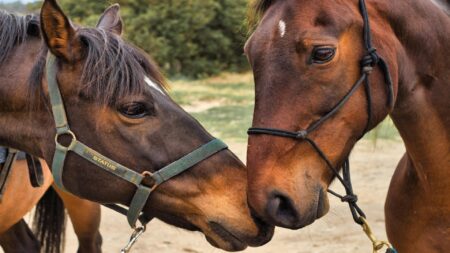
(369, 60)
(350, 198)
(301, 134)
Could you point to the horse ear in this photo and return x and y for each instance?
(111, 20)
(58, 32)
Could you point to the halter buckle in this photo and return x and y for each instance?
(133, 239)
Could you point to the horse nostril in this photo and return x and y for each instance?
(282, 211)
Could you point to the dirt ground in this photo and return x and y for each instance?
(372, 169)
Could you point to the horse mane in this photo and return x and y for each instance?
(256, 10)
(14, 30)
(112, 67)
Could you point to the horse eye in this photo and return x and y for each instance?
(323, 54)
(134, 110)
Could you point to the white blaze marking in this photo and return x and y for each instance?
(282, 27)
(153, 85)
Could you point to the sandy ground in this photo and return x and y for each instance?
(372, 170)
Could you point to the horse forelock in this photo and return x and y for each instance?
(112, 68)
(256, 10)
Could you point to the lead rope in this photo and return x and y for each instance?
(368, 62)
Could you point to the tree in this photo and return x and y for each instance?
(191, 37)
(186, 37)
(16, 6)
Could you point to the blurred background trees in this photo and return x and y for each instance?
(187, 38)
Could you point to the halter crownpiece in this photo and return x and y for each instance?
(143, 191)
(368, 62)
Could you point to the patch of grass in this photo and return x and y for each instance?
(385, 130)
(230, 98)
(229, 89)
(228, 122)
(228, 93)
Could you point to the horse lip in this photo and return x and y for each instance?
(226, 235)
(322, 206)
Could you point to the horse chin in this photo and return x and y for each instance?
(177, 221)
(227, 245)
(220, 237)
(215, 233)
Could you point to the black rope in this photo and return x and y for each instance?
(366, 24)
(278, 132)
(350, 197)
(388, 80)
(304, 133)
(372, 58)
(369, 107)
(339, 105)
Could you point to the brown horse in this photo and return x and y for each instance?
(15, 235)
(116, 104)
(306, 58)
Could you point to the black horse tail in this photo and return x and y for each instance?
(49, 222)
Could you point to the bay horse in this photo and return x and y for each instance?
(49, 218)
(105, 102)
(15, 235)
(310, 59)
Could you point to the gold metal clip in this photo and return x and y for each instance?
(377, 244)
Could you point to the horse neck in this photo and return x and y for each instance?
(422, 107)
(21, 128)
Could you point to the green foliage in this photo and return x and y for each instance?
(190, 38)
(16, 6)
(385, 130)
(86, 12)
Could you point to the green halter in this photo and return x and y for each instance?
(143, 191)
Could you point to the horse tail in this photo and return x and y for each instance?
(49, 222)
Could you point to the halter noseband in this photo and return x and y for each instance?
(143, 191)
(370, 60)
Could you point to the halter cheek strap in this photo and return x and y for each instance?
(143, 191)
(7, 158)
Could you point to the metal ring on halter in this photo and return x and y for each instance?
(149, 174)
(62, 147)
